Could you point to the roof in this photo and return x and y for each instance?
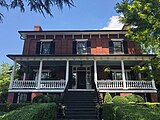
(70, 32)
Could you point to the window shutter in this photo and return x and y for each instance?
(111, 47)
(52, 47)
(15, 97)
(125, 46)
(89, 47)
(88, 44)
(38, 48)
(110, 75)
(28, 96)
(74, 48)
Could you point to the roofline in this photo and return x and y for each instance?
(70, 55)
(71, 31)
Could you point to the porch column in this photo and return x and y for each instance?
(67, 71)
(12, 76)
(153, 82)
(24, 76)
(95, 72)
(39, 74)
(123, 74)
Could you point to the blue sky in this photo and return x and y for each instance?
(88, 14)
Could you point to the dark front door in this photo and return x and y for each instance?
(81, 80)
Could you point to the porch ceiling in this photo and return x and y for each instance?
(112, 57)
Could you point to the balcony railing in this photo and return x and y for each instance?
(130, 84)
(101, 84)
(32, 84)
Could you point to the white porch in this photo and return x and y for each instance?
(59, 85)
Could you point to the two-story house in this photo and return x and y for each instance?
(78, 60)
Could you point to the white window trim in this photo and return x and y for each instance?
(117, 39)
(46, 40)
(81, 40)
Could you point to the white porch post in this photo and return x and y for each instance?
(153, 82)
(39, 74)
(12, 76)
(24, 76)
(123, 74)
(95, 72)
(67, 72)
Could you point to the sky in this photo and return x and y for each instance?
(87, 14)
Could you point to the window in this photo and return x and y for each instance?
(45, 47)
(44, 75)
(117, 75)
(23, 98)
(81, 46)
(118, 46)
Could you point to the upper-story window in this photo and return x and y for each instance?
(81, 46)
(45, 47)
(118, 46)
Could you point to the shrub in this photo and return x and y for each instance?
(134, 98)
(4, 107)
(129, 112)
(42, 111)
(46, 99)
(108, 111)
(107, 98)
(120, 100)
(16, 106)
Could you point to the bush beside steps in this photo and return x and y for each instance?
(36, 111)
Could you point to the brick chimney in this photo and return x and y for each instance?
(37, 28)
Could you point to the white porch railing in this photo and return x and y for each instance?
(57, 84)
(118, 84)
(108, 84)
(24, 84)
(32, 84)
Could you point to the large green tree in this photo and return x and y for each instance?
(144, 18)
(41, 6)
(5, 76)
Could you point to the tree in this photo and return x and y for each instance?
(5, 76)
(144, 18)
(41, 6)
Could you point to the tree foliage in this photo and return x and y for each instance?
(5, 76)
(41, 6)
(144, 18)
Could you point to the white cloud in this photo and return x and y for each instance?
(113, 24)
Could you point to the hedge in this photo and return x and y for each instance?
(9, 107)
(42, 111)
(120, 100)
(46, 99)
(129, 112)
(134, 98)
(107, 98)
(3, 107)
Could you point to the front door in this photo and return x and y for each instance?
(81, 79)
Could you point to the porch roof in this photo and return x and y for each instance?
(110, 57)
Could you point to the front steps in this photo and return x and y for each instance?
(80, 105)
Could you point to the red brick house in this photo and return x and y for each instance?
(76, 60)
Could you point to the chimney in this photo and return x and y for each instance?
(37, 28)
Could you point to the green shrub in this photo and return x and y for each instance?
(134, 98)
(129, 112)
(120, 100)
(41, 111)
(107, 98)
(4, 107)
(108, 111)
(46, 99)
(16, 106)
